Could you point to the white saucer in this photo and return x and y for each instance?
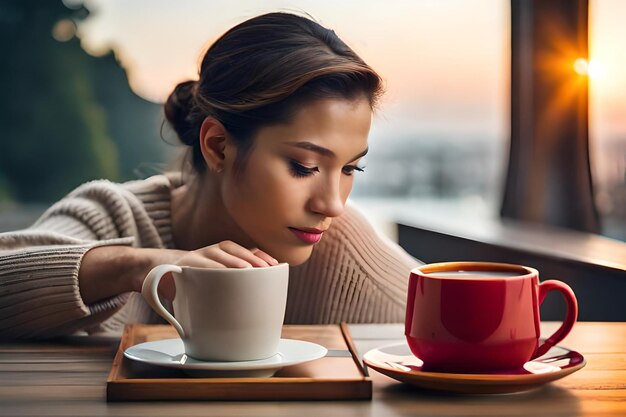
(171, 353)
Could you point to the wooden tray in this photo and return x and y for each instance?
(337, 377)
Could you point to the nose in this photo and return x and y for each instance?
(327, 199)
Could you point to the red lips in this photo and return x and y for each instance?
(308, 235)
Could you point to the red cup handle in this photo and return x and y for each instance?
(570, 315)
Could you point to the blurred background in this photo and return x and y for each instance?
(82, 84)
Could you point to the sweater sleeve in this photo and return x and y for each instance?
(39, 292)
(354, 275)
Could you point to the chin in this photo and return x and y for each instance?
(294, 257)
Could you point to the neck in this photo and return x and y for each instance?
(199, 218)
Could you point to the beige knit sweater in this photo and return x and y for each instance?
(354, 274)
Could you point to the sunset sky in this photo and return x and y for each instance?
(445, 74)
(446, 62)
(606, 48)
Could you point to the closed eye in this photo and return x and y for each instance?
(300, 171)
(349, 169)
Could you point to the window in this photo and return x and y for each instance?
(607, 112)
(439, 144)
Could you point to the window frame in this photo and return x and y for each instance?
(548, 177)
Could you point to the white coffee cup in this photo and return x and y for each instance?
(224, 314)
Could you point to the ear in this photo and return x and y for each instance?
(213, 143)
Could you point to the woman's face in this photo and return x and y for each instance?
(297, 177)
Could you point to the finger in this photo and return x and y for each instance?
(266, 257)
(199, 260)
(231, 261)
(239, 251)
(217, 254)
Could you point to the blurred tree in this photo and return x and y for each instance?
(65, 116)
(53, 132)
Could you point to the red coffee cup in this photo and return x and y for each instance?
(479, 317)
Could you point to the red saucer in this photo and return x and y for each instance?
(397, 362)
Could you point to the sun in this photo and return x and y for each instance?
(590, 68)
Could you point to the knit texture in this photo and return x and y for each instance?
(354, 274)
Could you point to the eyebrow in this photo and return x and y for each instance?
(321, 150)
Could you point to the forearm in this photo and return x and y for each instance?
(107, 271)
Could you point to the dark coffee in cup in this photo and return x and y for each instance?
(475, 274)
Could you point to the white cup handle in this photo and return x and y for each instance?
(150, 294)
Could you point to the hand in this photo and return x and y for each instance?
(107, 271)
(225, 254)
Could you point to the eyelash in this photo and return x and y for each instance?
(353, 168)
(300, 171)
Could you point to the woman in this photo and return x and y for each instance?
(277, 125)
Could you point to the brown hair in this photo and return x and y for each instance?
(260, 72)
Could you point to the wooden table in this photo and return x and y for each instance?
(68, 379)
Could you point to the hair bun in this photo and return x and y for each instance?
(179, 112)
